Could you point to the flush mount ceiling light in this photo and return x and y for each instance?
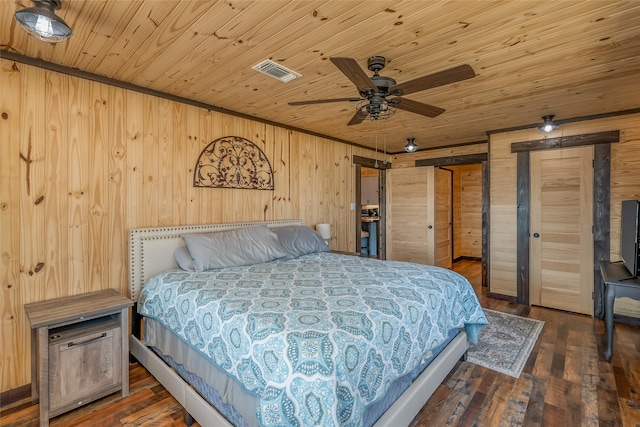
(548, 125)
(41, 21)
(411, 146)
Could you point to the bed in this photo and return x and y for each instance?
(313, 338)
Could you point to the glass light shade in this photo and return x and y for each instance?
(42, 23)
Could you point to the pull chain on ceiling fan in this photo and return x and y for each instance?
(381, 96)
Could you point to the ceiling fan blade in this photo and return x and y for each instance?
(324, 101)
(418, 107)
(452, 75)
(352, 70)
(356, 119)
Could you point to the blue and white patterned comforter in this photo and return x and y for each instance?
(317, 338)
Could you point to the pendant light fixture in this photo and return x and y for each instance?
(548, 125)
(411, 146)
(41, 21)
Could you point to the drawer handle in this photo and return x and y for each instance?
(71, 344)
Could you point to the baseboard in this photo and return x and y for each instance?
(14, 395)
(627, 320)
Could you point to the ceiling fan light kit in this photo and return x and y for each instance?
(548, 125)
(411, 146)
(41, 21)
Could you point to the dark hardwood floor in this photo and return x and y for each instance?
(566, 382)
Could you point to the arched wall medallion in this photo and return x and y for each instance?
(233, 162)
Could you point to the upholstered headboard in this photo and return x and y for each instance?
(151, 250)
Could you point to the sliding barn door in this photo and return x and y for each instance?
(410, 214)
(561, 219)
(443, 217)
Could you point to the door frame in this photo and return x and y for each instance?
(601, 205)
(359, 162)
(468, 159)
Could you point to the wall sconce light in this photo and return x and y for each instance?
(325, 231)
(41, 21)
(548, 125)
(411, 146)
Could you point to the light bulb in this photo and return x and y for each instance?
(43, 26)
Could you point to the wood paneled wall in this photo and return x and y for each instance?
(625, 184)
(467, 211)
(81, 163)
(405, 160)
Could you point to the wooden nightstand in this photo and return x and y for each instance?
(79, 350)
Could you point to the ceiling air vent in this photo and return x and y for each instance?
(276, 71)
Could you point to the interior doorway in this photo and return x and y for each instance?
(370, 206)
(467, 211)
(369, 211)
(470, 225)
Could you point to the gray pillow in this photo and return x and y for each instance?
(184, 259)
(241, 246)
(300, 240)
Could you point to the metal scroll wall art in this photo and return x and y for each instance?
(233, 162)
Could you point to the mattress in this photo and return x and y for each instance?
(317, 339)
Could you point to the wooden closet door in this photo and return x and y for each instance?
(443, 217)
(561, 219)
(409, 215)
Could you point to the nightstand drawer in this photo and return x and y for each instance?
(85, 363)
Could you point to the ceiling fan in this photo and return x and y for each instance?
(380, 95)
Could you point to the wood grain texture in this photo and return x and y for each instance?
(409, 214)
(30, 235)
(101, 160)
(457, 212)
(470, 226)
(11, 193)
(623, 184)
(601, 394)
(560, 270)
(443, 217)
(566, 141)
(205, 51)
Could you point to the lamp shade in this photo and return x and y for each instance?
(41, 22)
(324, 230)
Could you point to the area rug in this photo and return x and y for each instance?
(505, 343)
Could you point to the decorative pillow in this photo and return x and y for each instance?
(184, 259)
(242, 246)
(300, 240)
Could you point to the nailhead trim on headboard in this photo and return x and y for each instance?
(139, 238)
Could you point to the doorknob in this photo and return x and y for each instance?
(536, 235)
(430, 227)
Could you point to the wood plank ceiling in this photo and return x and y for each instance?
(531, 58)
